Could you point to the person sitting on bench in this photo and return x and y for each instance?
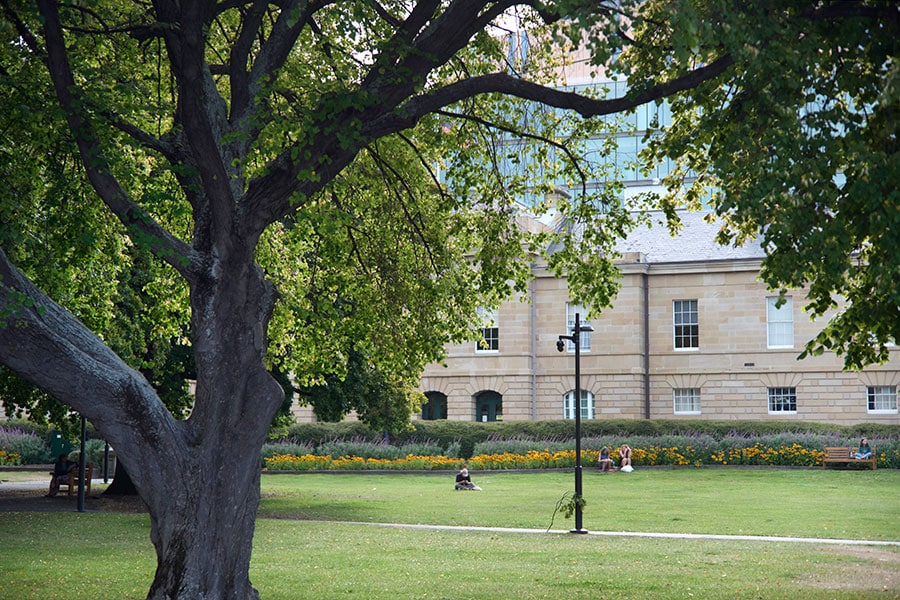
(61, 469)
(865, 450)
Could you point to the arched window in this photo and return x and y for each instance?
(488, 406)
(435, 408)
(587, 405)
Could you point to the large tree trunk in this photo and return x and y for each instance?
(203, 513)
(121, 485)
(203, 530)
(199, 478)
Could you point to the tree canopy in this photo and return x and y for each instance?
(797, 144)
(318, 179)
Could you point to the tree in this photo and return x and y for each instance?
(796, 144)
(284, 162)
(383, 404)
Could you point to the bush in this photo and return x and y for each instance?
(379, 450)
(284, 448)
(30, 449)
(468, 438)
(655, 443)
(93, 452)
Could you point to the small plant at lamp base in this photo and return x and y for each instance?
(566, 505)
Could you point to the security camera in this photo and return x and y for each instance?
(560, 345)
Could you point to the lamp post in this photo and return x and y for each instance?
(81, 466)
(575, 337)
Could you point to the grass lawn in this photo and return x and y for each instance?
(104, 555)
(798, 503)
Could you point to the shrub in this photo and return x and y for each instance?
(467, 435)
(30, 449)
(379, 450)
(454, 450)
(94, 450)
(284, 448)
(521, 445)
(26, 426)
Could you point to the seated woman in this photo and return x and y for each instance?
(625, 457)
(464, 482)
(605, 462)
(865, 450)
(61, 469)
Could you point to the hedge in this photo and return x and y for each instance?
(469, 434)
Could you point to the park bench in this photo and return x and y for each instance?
(71, 481)
(844, 455)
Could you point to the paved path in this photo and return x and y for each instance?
(683, 536)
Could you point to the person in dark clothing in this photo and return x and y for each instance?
(464, 482)
(61, 469)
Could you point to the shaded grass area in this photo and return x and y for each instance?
(797, 503)
(109, 555)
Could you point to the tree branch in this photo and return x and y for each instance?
(855, 9)
(240, 56)
(142, 228)
(388, 169)
(45, 344)
(524, 134)
(408, 114)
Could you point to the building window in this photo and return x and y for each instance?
(686, 320)
(435, 408)
(686, 401)
(782, 400)
(587, 405)
(882, 399)
(488, 406)
(780, 322)
(571, 311)
(490, 333)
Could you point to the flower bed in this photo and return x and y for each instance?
(793, 455)
(9, 458)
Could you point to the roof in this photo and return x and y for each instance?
(695, 241)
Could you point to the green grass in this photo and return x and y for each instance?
(798, 503)
(103, 555)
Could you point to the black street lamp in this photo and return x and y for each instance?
(561, 346)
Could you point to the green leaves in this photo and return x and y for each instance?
(794, 142)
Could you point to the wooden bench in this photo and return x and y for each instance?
(844, 455)
(73, 480)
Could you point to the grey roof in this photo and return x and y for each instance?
(696, 241)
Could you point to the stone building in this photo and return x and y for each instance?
(693, 334)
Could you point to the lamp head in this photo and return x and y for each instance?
(560, 345)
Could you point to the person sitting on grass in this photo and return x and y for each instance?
(625, 458)
(61, 469)
(865, 450)
(605, 462)
(464, 482)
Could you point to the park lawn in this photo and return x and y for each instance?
(106, 555)
(776, 502)
(90, 556)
